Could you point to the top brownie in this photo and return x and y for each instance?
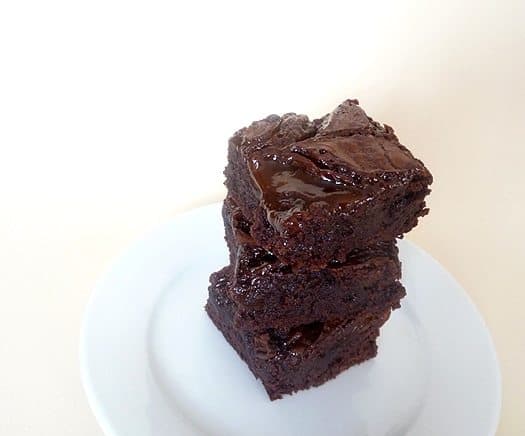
(316, 190)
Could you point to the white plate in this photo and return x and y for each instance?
(153, 364)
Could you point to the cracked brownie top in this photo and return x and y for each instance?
(344, 158)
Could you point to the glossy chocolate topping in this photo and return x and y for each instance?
(292, 185)
(345, 158)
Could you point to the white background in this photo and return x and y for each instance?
(115, 115)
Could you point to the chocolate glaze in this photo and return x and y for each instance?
(345, 158)
(286, 188)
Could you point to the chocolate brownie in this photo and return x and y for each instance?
(316, 190)
(290, 359)
(267, 293)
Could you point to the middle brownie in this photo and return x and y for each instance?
(269, 294)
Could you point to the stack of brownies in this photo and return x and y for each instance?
(311, 217)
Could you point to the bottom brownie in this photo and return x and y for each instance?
(288, 360)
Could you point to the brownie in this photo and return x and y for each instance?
(268, 293)
(317, 190)
(295, 358)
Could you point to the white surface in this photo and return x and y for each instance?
(153, 364)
